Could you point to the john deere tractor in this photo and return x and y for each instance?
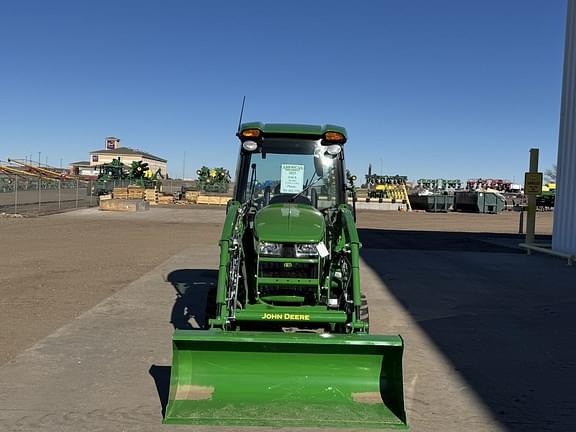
(288, 344)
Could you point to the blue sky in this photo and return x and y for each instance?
(452, 89)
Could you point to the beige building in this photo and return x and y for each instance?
(83, 168)
(113, 150)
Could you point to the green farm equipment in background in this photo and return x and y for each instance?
(110, 175)
(287, 343)
(386, 188)
(213, 179)
(138, 170)
(114, 170)
(116, 174)
(546, 200)
(140, 174)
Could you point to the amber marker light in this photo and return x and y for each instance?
(333, 136)
(251, 133)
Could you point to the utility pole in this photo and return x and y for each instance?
(39, 158)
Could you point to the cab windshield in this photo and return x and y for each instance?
(290, 171)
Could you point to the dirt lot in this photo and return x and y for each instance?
(55, 267)
(503, 223)
(488, 330)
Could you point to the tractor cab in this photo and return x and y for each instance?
(290, 183)
(291, 164)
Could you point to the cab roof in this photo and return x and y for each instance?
(293, 129)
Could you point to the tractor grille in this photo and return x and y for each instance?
(288, 270)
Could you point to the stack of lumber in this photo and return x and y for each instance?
(361, 194)
(124, 205)
(135, 192)
(165, 199)
(191, 196)
(120, 193)
(151, 195)
(212, 199)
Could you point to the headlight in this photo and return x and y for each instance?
(250, 145)
(305, 250)
(270, 249)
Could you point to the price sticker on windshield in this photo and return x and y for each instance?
(291, 178)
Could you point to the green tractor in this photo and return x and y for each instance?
(288, 344)
(110, 175)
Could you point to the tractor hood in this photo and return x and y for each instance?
(289, 223)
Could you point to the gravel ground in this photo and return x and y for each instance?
(53, 268)
(487, 328)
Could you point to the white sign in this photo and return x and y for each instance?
(291, 178)
(322, 250)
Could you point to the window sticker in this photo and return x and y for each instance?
(322, 250)
(292, 178)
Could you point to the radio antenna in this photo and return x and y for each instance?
(241, 113)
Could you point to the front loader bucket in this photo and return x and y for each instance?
(286, 379)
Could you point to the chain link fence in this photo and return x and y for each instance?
(34, 196)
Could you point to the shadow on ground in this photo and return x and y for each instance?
(194, 291)
(161, 376)
(443, 241)
(504, 320)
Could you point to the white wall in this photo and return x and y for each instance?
(564, 234)
(89, 171)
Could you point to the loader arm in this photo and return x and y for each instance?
(353, 245)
